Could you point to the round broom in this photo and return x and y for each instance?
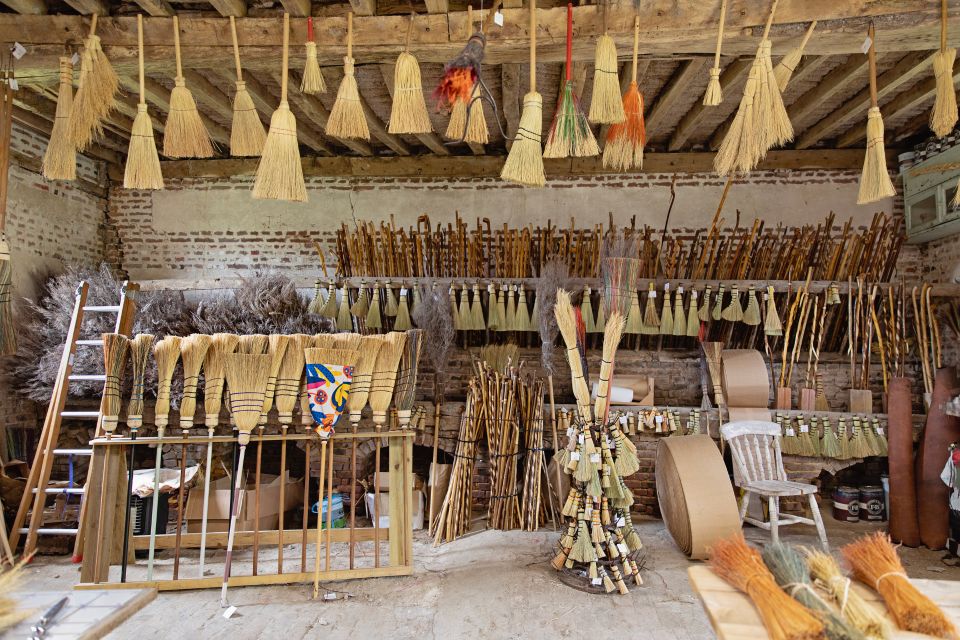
(346, 118)
(115, 349)
(875, 183)
(247, 381)
(714, 93)
(624, 146)
(246, 131)
(60, 158)
(788, 63)
(96, 91)
(185, 135)
(140, 349)
(359, 394)
(143, 164)
(943, 117)
(409, 111)
(570, 134)
(312, 81)
(280, 174)
(524, 163)
(606, 106)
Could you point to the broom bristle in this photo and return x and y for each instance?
(771, 324)
(524, 163)
(185, 135)
(60, 158)
(247, 376)
(361, 305)
(143, 163)
(373, 319)
(735, 152)
(751, 315)
(713, 96)
(96, 94)
(362, 375)
(651, 320)
(566, 323)
(474, 130)
(611, 339)
(624, 147)
(166, 352)
(247, 135)
(875, 183)
(476, 310)
(287, 388)
(402, 321)
(254, 344)
(825, 569)
(385, 375)
(406, 388)
(312, 81)
(679, 319)
(213, 375)
(606, 106)
(280, 173)
(193, 349)
(409, 111)
(276, 349)
(786, 67)
(570, 134)
(634, 323)
(771, 118)
(140, 349)
(346, 118)
(115, 349)
(693, 316)
(666, 313)
(943, 117)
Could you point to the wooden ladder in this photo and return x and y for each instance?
(38, 484)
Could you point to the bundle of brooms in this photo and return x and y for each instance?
(96, 91)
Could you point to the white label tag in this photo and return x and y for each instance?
(18, 50)
(804, 428)
(330, 596)
(403, 291)
(680, 290)
(570, 432)
(791, 432)
(575, 455)
(865, 47)
(498, 19)
(580, 438)
(75, 60)
(653, 294)
(658, 419)
(621, 521)
(595, 458)
(596, 581)
(14, 84)
(623, 548)
(229, 612)
(623, 420)
(879, 431)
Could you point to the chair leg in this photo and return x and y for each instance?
(744, 503)
(774, 503)
(815, 511)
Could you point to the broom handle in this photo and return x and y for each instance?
(176, 44)
(286, 56)
(236, 48)
(872, 57)
(569, 69)
(533, 46)
(93, 23)
(143, 99)
(406, 43)
(310, 29)
(350, 35)
(723, 20)
(773, 10)
(636, 44)
(943, 24)
(806, 36)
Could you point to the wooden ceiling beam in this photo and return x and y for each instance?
(510, 99)
(209, 94)
(437, 6)
(227, 8)
(909, 128)
(155, 8)
(296, 8)
(364, 7)
(730, 77)
(890, 82)
(89, 7)
(317, 113)
(678, 86)
(430, 140)
(28, 7)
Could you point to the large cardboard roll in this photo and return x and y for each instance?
(745, 379)
(695, 494)
(904, 528)
(940, 430)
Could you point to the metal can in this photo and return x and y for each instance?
(871, 503)
(846, 505)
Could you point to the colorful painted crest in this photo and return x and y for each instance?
(328, 387)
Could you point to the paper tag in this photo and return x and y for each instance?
(14, 84)
(330, 595)
(623, 548)
(575, 455)
(570, 432)
(791, 432)
(580, 438)
(596, 581)
(680, 290)
(229, 612)
(879, 431)
(595, 458)
(403, 291)
(652, 294)
(498, 19)
(658, 419)
(623, 420)
(18, 50)
(621, 521)
(804, 428)
(865, 47)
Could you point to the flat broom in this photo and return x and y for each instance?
(605, 104)
(96, 91)
(280, 174)
(60, 158)
(312, 81)
(624, 146)
(524, 163)
(943, 117)
(246, 131)
(346, 117)
(408, 114)
(140, 349)
(185, 135)
(143, 163)
(875, 183)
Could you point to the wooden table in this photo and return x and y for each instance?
(88, 615)
(734, 617)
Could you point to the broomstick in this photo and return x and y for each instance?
(8, 336)
(140, 348)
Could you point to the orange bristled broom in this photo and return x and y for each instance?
(624, 147)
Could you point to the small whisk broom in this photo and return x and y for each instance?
(943, 117)
(606, 106)
(788, 63)
(60, 158)
(143, 163)
(875, 183)
(185, 135)
(714, 93)
(408, 114)
(312, 80)
(346, 118)
(246, 131)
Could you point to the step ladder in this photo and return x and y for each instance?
(38, 484)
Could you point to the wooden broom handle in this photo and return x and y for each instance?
(350, 35)
(176, 44)
(943, 24)
(93, 25)
(533, 46)
(236, 48)
(406, 43)
(286, 56)
(723, 21)
(143, 98)
(773, 10)
(806, 36)
(636, 44)
(872, 58)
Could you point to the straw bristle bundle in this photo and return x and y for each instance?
(473, 129)
(563, 311)
(390, 301)
(717, 312)
(522, 317)
(385, 375)
(402, 321)
(254, 344)
(287, 386)
(247, 376)
(409, 111)
(328, 308)
(553, 276)
(476, 310)
(606, 107)
(96, 94)
(213, 375)
(651, 321)
(524, 163)
(247, 135)
(771, 121)
(713, 96)
(312, 81)
(786, 67)
(344, 321)
(493, 316)
(115, 349)
(166, 352)
(679, 318)
(624, 147)
(751, 315)
(143, 163)
(611, 339)
(586, 311)
(666, 313)
(193, 349)
(362, 375)
(361, 305)
(276, 349)
(60, 158)
(825, 569)
(570, 134)
(771, 323)
(736, 150)
(346, 118)
(875, 183)
(185, 135)
(634, 316)
(463, 309)
(406, 387)
(280, 172)
(373, 319)
(140, 349)
(943, 117)
(693, 316)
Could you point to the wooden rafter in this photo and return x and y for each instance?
(364, 7)
(296, 8)
(235, 8)
(89, 7)
(265, 102)
(670, 95)
(28, 7)
(430, 140)
(379, 130)
(209, 95)
(850, 72)
(510, 101)
(731, 76)
(437, 6)
(159, 96)
(156, 8)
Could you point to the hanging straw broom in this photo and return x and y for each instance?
(624, 146)
(524, 163)
(115, 349)
(570, 134)
(943, 117)
(280, 174)
(788, 63)
(143, 163)
(96, 91)
(408, 113)
(459, 87)
(346, 118)
(468, 122)
(825, 569)
(185, 135)
(312, 81)
(246, 131)
(875, 183)
(60, 158)
(606, 106)
(714, 93)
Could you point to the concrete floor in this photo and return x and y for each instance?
(490, 585)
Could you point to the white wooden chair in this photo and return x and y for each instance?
(758, 468)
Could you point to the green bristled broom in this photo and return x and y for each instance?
(143, 163)
(624, 146)
(312, 81)
(714, 93)
(60, 158)
(184, 135)
(943, 117)
(570, 133)
(409, 111)
(346, 118)
(875, 183)
(247, 135)
(606, 107)
(96, 91)
(524, 163)
(280, 173)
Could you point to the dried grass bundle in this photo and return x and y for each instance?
(143, 164)
(346, 117)
(825, 569)
(96, 91)
(943, 116)
(140, 349)
(498, 357)
(666, 313)
(402, 321)
(734, 310)
(166, 352)
(693, 316)
(606, 106)
(476, 310)
(214, 371)
(405, 393)
(651, 320)
(312, 80)
(60, 158)
(385, 375)
(287, 389)
(524, 163)
(254, 344)
(247, 376)
(408, 113)
(247, 135)
(11, 612)
(771, 323)
(737, 151)
(185, 135)
(874, 561)
(751, 315)
(467, 120)
(193, 350)
(742, 567)
(115, 349)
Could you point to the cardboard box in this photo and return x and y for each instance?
(385, 482)
(439, 475)
(418, 503)
(218, 515)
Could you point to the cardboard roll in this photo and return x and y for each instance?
(695, 494)
(745, 379)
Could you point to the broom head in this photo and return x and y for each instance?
(409, 111)
(143, 163)
(570, 134)
(875, 183)
(736, 150)
(786, 67)
(346, 118)
(247, 376)
(606, 106)
(624, 148)
(185, 135)
(468, 121)
(312, 81)
(60, 159)
(524, 163)
(247, 135)
(943, 117)
(280, 173)
(713, 96)
(96, 94)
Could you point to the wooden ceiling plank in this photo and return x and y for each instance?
(667, 99)
(90, 7)
(430, 140)
(909, 128)
(28, 7)
(227, 8)
(209, 94)
(437, 6)
(364, 7)
(296, 8)
(156, 8)
(904, 72)
(730, 77)
(41, 125)
(317, 113)
(838, 80)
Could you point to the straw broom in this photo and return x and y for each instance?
(115, 349)
(312, 80)
(346, 118)
(788, 63)
(185, 135)
(943, 117)
(570, 134)
(247, 377)
(772, 123)
(140, 349)
(611, 339)
(566, 322)
(875, 183)
(359, 394)
(623, 149)
(280, 174)
(8, 335)
(874, 561)
(60, 158)
(408, 114)
(825, 569)
(253, 344)
(605, 104)
(524, 163)
(714, 93)
(96, 91)
(246, 131)
(143, 163)
(405, 393)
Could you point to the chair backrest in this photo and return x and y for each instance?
(755, 448)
